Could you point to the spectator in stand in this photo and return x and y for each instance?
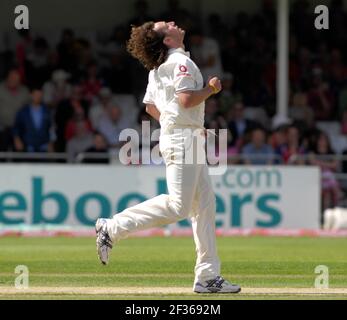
(228, 96)
(74, 107)
(211, 109)
(99, 107)
(206, 53)
(74, 123)
(239, 126)
(92, 84)
(324, 157)
(99, 146)
(320, 98)
(24, 47)
(215, 120)
(13, 96)
(33, 127)
(292, 153)
(111, 124)
(300, 110)
(37, 64)
(57, 89)
(258, 152)
(84, 57)
(81, 141)
(278, 141)
(309, 138)
(216, 143)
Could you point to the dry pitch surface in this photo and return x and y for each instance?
(168, 292)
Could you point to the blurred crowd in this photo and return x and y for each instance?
(77, 96)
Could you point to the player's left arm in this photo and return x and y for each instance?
(153, 111)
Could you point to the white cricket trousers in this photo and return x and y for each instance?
(190, 196)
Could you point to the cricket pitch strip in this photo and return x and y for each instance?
(157, 291)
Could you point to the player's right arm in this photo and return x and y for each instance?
(152, 110)
(192, 98)
(185, 83)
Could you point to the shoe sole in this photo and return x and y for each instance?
(212, 292)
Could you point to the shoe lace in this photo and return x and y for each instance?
(216, 282)
(105, 239)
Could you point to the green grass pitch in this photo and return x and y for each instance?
(252, 262)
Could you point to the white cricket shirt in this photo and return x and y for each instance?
(177, 74)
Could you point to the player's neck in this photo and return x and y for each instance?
(177, 46)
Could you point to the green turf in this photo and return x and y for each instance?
(164, 262)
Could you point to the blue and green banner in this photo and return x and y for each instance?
(76, 195)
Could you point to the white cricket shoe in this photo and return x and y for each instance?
(103, 241)
(216, 285)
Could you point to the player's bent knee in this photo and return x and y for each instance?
(180, 211)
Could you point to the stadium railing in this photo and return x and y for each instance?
(113, 157)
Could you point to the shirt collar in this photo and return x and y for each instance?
(180, 50)
(33, 109)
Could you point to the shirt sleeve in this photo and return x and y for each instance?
(184, 76)
(150, 91)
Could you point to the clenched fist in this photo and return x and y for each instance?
(215, 84)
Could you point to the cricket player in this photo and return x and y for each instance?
(175, 96)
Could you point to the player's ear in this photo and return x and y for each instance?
(167, 41)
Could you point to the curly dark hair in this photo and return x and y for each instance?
(146, 45)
